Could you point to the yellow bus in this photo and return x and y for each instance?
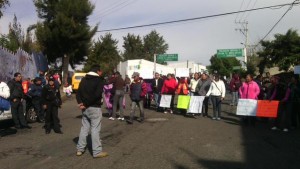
(76, 78)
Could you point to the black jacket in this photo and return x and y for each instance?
(35, 91)
(157, 89)
(16, 90)
(51, 95)
(90, 90)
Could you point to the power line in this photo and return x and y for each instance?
(245, 9)
(239, 10)
(247, 15)
(197, 18)
(279, 20)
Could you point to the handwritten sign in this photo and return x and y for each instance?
(182, 72)
(246, 107)
(297, 69)
(165, 101)
(183, 102)
(267, 108)
(196, 103)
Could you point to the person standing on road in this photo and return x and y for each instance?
(16, 99)
(193, 84)
(202, 89)
(157, 84)
(249, 90)
(138, 90)
(89, 96)
(235, 84)
(217, 91)
(51, 101)
(118, 90)
(169, 88)
(35, 92)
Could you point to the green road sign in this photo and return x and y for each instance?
(166, 57)
(226, 53)
(236, 67)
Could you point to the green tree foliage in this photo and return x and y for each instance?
(64, 31)
(154, 44)
(105, 53)
(3, 4)
(133, 46)
(283, 51)
(15, 35)
(224, 66)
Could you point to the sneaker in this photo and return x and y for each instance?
(171, 111)
(79, 153)
(285, 130)
(121, 118)
(214, 118)
(165, 112)
(111, 118)
(101, 155)
(274, 128)
(219, 118)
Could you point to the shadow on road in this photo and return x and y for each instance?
(6, 128)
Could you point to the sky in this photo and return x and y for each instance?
(194, 40)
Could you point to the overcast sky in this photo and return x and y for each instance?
(195, 40)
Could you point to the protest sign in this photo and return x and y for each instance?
(196, 103)
(297, 69)
(165, 101)
(246, 107)
(182, 72)
(183, 102)
(267, 108)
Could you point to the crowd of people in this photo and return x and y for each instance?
(42, 92)
(45, 96)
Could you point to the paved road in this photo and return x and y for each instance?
(178, 142)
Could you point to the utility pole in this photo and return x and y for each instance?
(244, 31)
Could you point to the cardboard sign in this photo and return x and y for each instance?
(267, 108)
(297, 69)
(182, 72)
(196, 103)
(183, 102)
(165, 101)
(246, 107)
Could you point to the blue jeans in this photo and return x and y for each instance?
(91, 120)
(216, 102)
(157, 99)
(235, 97)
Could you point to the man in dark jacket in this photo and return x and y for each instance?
(118, 90)
(16, 98)
(138, 91)
(157, 84)
(35, 91)
(51, 100)
(202, 89)
(89, 96)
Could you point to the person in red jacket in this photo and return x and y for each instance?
(169, 87)
(138, 90)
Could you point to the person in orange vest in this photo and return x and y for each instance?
(182, 89)
(26, 84)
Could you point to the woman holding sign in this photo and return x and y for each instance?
(249, 90)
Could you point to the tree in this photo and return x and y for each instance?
(224, 66)
(154, 44)
(105, 53)
(283, 51)
(15, 35)
(64, 31)
(3, 4)
(133, 46)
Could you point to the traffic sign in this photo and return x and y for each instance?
(226, 53)
(166, 57)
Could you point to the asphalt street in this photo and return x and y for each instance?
(163, 141)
